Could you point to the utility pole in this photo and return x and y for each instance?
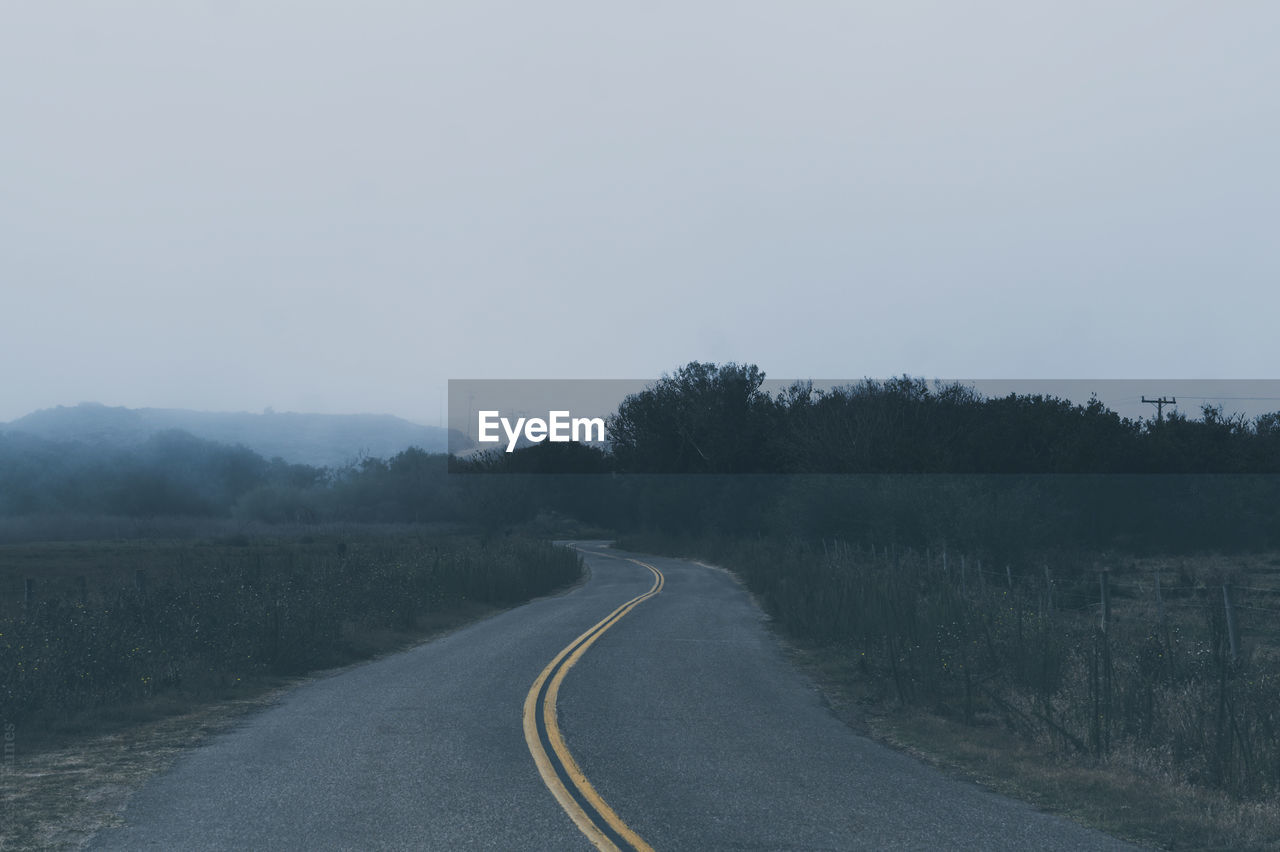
(1160, 404)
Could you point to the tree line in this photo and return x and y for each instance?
(705, 449)
(706, 418)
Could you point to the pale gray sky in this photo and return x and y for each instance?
(337, 207)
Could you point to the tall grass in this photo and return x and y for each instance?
(226, 614)
(1026, 650)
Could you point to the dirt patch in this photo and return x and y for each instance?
(59, 796)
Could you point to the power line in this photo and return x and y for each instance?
(1235, 398)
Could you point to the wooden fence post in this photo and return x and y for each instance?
(1105, 640)
(1231, 622)
(275, 625)
(1106, 599)
(1164, 628)
(1159, 601)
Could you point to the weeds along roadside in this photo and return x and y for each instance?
(87, 627)
(1170, 667)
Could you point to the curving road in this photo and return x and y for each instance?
(647, 708)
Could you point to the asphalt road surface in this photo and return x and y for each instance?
(646, 708)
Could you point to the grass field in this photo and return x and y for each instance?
(91, 630)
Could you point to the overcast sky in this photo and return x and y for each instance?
(337, 207)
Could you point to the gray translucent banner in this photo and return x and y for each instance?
(571, 407)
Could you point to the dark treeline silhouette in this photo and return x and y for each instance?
(176, 475)
(716, 419)
(706, 451)
(891, 461)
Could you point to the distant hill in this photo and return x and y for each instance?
(329, 440)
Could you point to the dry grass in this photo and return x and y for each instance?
(66, 783)
(1137, 789)
(69, 767)
(194, 618)
(1161, 699)
(1123, 795)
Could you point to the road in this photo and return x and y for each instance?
(646, 708)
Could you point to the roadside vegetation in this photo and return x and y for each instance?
(1065, 603)
(92, 631)
(1069, 606)
(125, 641)
(1032, 680)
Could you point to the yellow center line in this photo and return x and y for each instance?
(604, 821)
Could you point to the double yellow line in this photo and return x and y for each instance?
(559, 770)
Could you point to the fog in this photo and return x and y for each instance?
(337, 208)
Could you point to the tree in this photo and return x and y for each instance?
(703, 419)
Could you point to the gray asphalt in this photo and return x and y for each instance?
(685, 716)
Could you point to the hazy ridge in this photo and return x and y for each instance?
(327, 440)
